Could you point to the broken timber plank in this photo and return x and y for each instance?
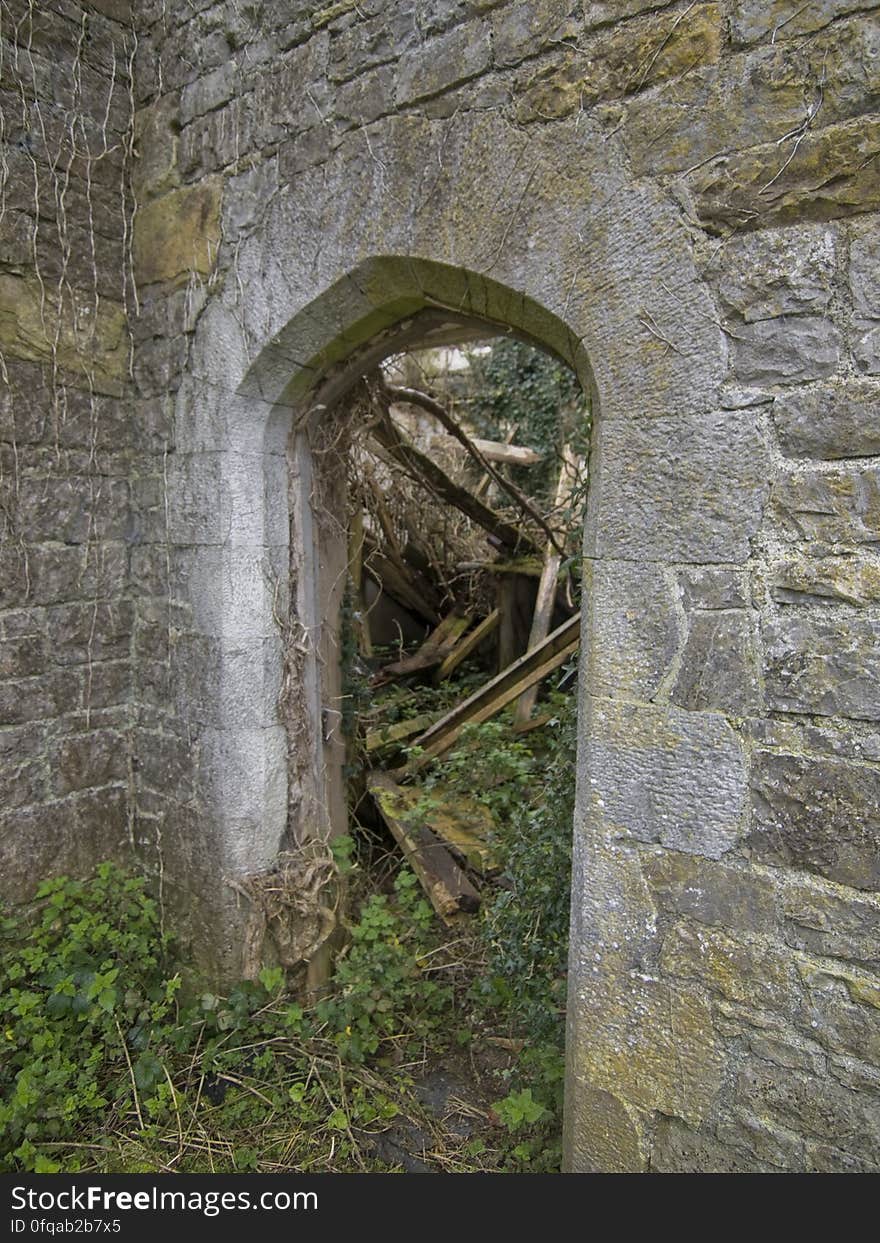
(387, 735)
(450, 892)
(467, 644)
(413, 396)
(530, 566)
(464, 824)
(438, 643)
(498, 693)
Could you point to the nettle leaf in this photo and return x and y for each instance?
(147, 1071)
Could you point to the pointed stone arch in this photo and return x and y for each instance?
(560, 245)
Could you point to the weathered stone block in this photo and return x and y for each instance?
(711, 893)
(866, 349)
(656, 1049)
(786, 1049)
(22, 657)
(672, 777)
(633, 628)
(107, 684)
(826, 666)
(766, 274)
(843, 1028)
(32, 699)
(116, 10)
(677, 489)
(23, 770)
(823, 920)
(605, 1135)
(711, 587)
(718, 666)
(603, 12)
(836, 419)
(617, 62)
(156, 130)
(830, 510)
(82, 633)
(751, 20)
(864, 267)
(80, 333)
(752, 973)
(820, 815)
(209, 92)
(366, 97)
(178, 233)
(90, 759)
(680, 1149)
(782, 1149)
(36, 843)
(443, 63)
(215, 141)
(163, 762)
(522, 29)
(786, 350)
(71, 509)
(832, 172)
(826, 1159)
(818, 1106)
(851, 580)
(377, 41)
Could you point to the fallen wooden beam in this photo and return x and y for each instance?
(414, 396)
(423, 468)
(491, 450)
(450, 892)
(463, 824)
(356, 571)
(467, 644)
(388, 735)
(407, 589)
(497, 693)
(438, 643)
(531, 566)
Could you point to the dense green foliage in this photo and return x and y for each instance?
(87, 965)
(514, 384)
(103, 1066)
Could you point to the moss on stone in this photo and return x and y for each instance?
(178, 233)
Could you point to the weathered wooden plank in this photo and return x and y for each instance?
(491, 450)
(450, 892)
(407, 589)
(467, 644)
(388, 735)
(414, 396)
(464, 824)
(530, 566)
(496, 694)
(438, 643)
(356, 573)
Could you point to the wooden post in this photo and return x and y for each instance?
(543, 615)
(356, 571)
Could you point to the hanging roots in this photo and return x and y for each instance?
(294, 905)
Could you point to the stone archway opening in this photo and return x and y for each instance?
(391, 637)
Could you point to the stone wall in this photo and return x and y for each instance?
(681, 200)
(68, 447)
